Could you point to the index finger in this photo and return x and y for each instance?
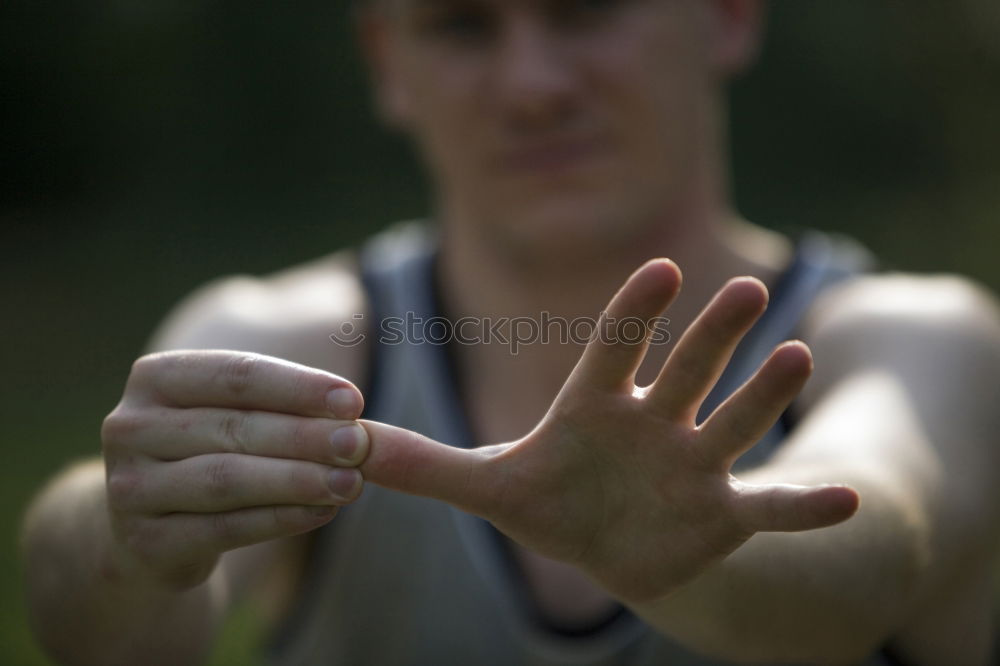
(243, 380)
(611, 358)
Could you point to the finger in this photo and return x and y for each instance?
(226, 482)
(175, 434)
(218, 378)
(191, 536)
(411, 463)
(619, 344)
(746, 416)
(789, 508)
(705, 348)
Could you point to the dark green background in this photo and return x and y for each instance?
(150, 146)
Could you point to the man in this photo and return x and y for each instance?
(569, 142)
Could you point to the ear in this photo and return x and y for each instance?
(737, 29)
(376, 35)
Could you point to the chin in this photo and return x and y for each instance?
(585, 228)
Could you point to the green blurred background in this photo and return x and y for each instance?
(148, 147)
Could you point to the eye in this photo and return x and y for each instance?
(595, 5)
(583, 11)
(465, 23)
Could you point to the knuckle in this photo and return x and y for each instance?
(218, 476)
(301, 437)
(284, 518)
(234, 427)
(310, 388)
(310, 484)
(123, 486)
(280, 517)
(301, 383)
(119, 426)
(150, 373)
(143, 366)
(239, 371)
(224, 527)
(147, 368)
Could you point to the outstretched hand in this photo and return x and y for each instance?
(619, 480)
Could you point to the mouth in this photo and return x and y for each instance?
(554, 157)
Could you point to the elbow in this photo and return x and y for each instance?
(841, 615)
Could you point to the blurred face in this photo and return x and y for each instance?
(545, 120)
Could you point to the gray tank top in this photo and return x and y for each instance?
(396, 579)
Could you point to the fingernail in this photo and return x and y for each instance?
(344, 483)
(343, 403)
(349, 444)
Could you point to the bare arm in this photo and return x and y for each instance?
(117, 577)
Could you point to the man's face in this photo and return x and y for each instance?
(543, 118)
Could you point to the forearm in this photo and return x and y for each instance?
(85, 606)
(830, 595)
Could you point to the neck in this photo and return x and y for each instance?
(485, 278)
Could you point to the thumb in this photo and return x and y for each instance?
(790, 508)
(406, 461)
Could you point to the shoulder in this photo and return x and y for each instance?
(935, 300)
(902, 318)
(289, 314)
(935, 337)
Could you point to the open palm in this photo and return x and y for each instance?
(619, 480)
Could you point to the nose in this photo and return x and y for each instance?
(535, 77)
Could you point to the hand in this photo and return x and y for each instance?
(211, 450)
(618, 480)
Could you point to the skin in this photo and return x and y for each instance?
(550, 118)
(571, 490)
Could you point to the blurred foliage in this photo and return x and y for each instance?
(147, 147)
